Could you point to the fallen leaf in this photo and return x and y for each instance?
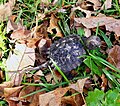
(52, 98)
(97, 4)
(8, 84)
(104, 82)
(39, 73)
(5, 11)
(37, 35)
(107, 4)
(32, 100)
(86, 5)
(114, 56)
(73, 100)
(110, 23)
(53, 27)
(11, 95)
(22, 58)
(41, 51)
(69, 100)
(1, 75)
(35, 100)
(11, 25)
(20, 34)
(40, 31)
(12, 91)
(49, 77)
(32, 42)
(87, 12)
(79, 85)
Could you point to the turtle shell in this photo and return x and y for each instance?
(66, 52)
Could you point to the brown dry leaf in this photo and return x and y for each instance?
(107, 4)
(37, 76)
(39, 73)
(8, 84)
(25, 91)
(33, 99)
(73, 100)
(11, 25)
(20, 34)
(87, 12)
(12, 91)
(114, 56)
(5, 11)
(69, 100)
(48, 77)
(37, 35)
(40, 31)
(41, 50)
(86, 5)
(22, 58)
(32, 42)
(79, 85)
(53, 27)
(11, 95)
(1, 75)
(104, 82)
(97, 4)
(110, 23)
(52, 98)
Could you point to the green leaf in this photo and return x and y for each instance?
(111, 96)
(94, 98)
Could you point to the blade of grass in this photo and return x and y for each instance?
(60, 71)
(115, 74)
(30, 94)
(90, 63)
(111, 78)
(107, 40)
(54, 77)
(104, 62)
(40, 84)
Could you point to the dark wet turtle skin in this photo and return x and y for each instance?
(66, 52)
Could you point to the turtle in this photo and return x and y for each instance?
(67, 51)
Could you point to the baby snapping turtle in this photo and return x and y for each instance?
(66, 51)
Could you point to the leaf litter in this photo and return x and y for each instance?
(30, 46)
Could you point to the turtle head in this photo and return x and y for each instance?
(93, 42)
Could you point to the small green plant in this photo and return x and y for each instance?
(3, 103)
(99, 98)
(2, 37)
